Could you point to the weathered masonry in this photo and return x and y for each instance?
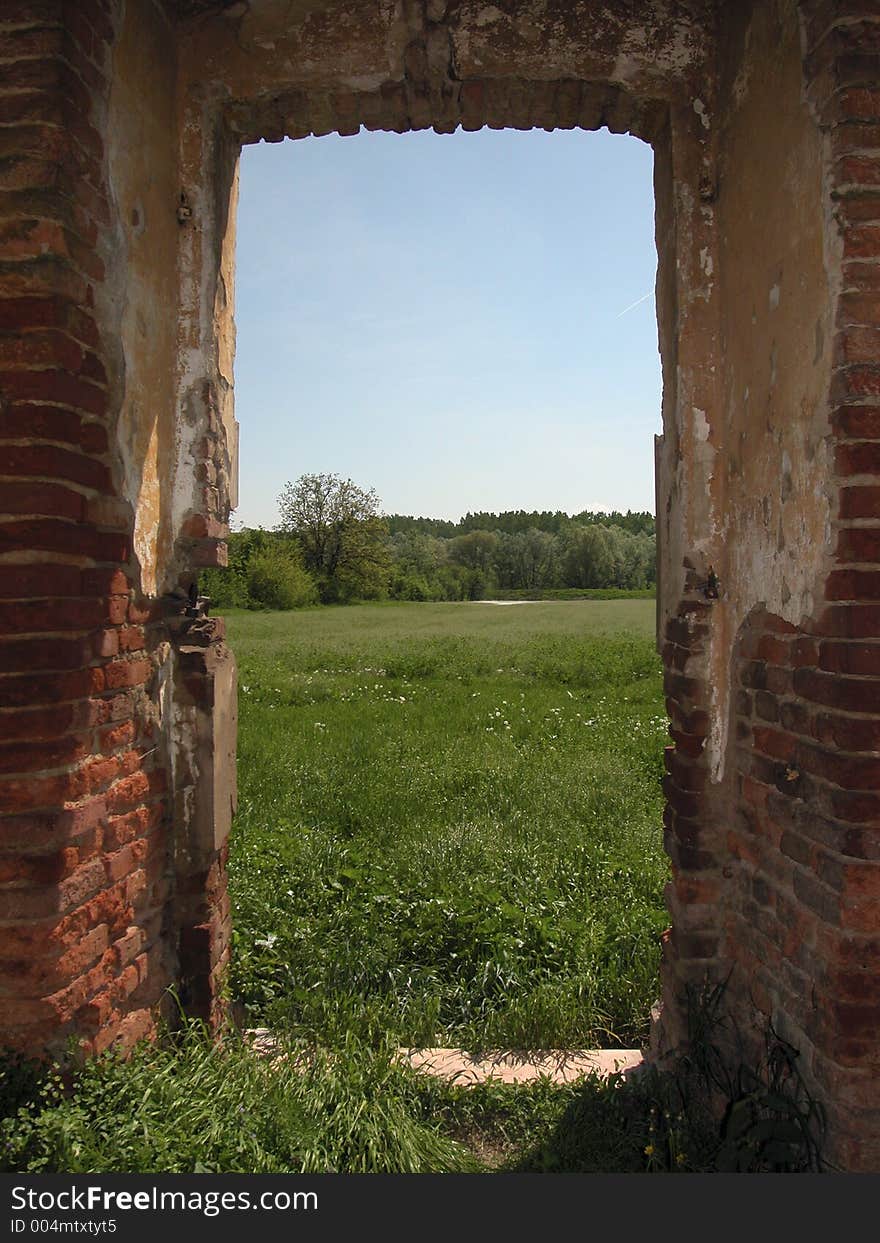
(121, 122)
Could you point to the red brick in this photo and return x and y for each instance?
(36, 754)
(33, 422)
(54, 386)
(127, 793)
(42, 499)
(41, 654)
(773, 742)
(859, 457)
(52, 462)
(857, 344)
(795, 717)
(862, 242)
(857, 807)
(773, 649)
(20, 582)
(18, 314)
(41, 723)
(853, 585)
(857, 170)
(860, 103)
(861, 502)
(131, 639)
(859, 307)
(127, 673)
(57, 535)
(854, 621)
(103, 582)
(848, 733)
(686, 774)
(859, 544)
(849, 657)
(853, 772)
(24, 690)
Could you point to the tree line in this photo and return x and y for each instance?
(333, 545)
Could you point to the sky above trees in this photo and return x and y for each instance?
(459, 321)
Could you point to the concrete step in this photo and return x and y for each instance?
(515, 1066)
(506, 1065)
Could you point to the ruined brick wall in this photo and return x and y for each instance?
(102, 906)
(118, 442)
(83, 831)
(772, 787)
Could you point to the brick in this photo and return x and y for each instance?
(850, 621)
(795, 717)
(33, 422)
(121, 673)
(858, 421)
(58, 535)
(42, 499)
(773, 649)
(104, 582)
(853, 585)
(850, 657)
(817, 897)
(32, 689)
(856, 344)
(685, 773)
(774, 742)
(753, 674)
(51, 462)
(860, 457)
(848, 733)
(860, 502)
(18, 655)
(858, 544)
(856, 306)
(54, 311)
(52, 385)
(36, 754)
(31, 724)
(858, 807)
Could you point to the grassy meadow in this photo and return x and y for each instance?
(448, 834)
(449, 823)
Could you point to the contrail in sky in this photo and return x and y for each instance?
(638, 302)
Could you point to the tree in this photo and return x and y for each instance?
(476, 550)
(276, 578)
(343, 539)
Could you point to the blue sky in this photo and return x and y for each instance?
(458, 321)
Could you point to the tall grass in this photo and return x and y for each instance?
(448, 833)
(449, 823)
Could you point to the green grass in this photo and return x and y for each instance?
(448, 834)
(193, 1104)
(449, 823)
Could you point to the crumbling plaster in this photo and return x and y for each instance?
(778, 262)
(141, 310)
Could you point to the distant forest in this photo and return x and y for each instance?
(516, 521)
(334, 546)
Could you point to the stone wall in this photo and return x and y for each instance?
(118, 443)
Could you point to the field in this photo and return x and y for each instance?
(449, 825)
(448, 834)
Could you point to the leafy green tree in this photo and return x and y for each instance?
(475, 551)
(343, 539)
(277, 578)
(589, 557)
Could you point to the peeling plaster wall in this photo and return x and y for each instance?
(775, 284)
(144, 182)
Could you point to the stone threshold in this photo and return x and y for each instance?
(522, 1066)
(505, 1065)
